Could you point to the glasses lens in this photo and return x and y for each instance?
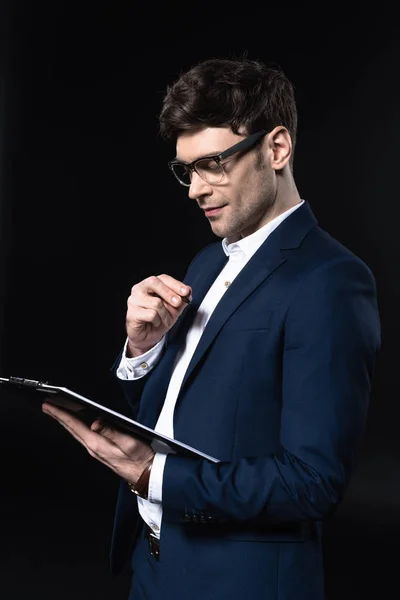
(182, 173)
(209, 170)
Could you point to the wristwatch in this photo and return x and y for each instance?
(141, 487)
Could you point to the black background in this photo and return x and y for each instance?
(88, 208)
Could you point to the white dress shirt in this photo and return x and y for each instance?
(238, 253)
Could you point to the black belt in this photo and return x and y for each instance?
(154, 542)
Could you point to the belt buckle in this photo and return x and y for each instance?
(154, 544)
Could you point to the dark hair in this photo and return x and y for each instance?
(229, 92)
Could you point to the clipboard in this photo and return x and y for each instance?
(88, 410)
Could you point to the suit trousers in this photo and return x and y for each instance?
(146, 580)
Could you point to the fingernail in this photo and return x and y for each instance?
(183, 290)
(175, 300)
(97, 427)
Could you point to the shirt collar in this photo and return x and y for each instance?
(251, 243)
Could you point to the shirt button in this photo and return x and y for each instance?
(144, 365)
(227, 284)
(155, 527)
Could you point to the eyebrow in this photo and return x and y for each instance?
(208, 155)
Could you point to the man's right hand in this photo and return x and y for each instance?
(153, 308)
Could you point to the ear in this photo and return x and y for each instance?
(280, 146)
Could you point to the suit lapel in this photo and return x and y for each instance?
(269, 257)
(259, 267)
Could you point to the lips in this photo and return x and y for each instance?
(213, 210)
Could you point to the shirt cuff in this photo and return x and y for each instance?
(156, 478)
(139, 366)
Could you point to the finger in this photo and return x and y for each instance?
(157, 286)
(180, 288)
(66, 418)
(141, 314)
(57, 412)
(100, 447)
(102, 428)
(97, 426)
(73, 425)
(152, 309)
(115, 449)
(125, 441)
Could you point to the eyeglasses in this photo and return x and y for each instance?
(210, 168)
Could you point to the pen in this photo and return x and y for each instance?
(184, 299)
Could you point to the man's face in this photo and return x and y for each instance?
(241, 203)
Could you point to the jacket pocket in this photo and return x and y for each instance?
(284, 532)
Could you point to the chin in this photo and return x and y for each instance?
(219, 233)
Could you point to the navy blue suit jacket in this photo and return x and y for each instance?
(278, 389)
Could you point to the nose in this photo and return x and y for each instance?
(199, 187)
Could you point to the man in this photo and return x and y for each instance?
(262, 357)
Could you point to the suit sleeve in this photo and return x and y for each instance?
(331, 339)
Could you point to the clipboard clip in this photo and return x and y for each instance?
(26, 382)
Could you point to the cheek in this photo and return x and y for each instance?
(249, 190)
(252, 192)
(263, 188)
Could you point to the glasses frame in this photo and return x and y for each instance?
(241, 146)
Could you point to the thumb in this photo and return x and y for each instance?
(98, 426)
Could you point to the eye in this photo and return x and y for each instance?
(207, 164)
